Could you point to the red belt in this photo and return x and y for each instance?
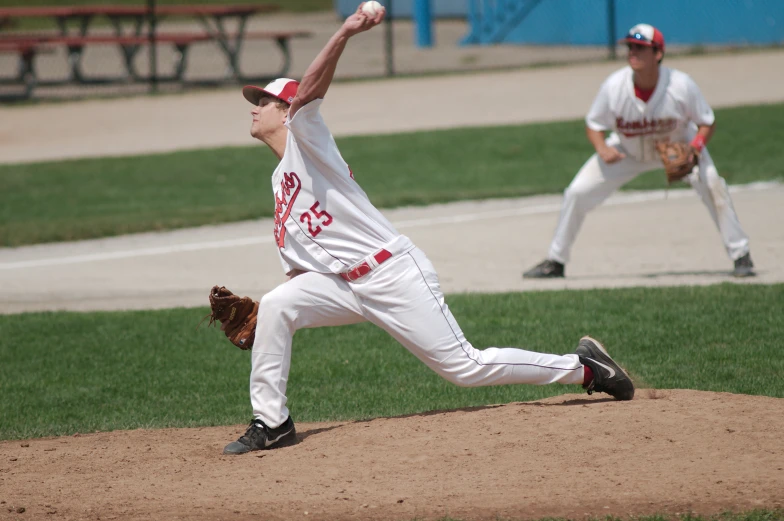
(364, 268)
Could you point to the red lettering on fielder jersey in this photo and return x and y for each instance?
(289, 189)
(645, 126)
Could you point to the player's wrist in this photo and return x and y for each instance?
(698, 143)
(345, 32)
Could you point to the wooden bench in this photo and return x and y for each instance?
(28, 45)
(27, 51)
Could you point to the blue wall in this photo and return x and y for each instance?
(404, 8)
(585, 22)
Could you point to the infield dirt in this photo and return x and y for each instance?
(673, 451)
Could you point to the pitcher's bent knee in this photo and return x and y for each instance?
(278, 304)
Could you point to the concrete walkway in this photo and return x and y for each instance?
(636, 239)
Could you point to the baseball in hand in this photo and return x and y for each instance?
(372, 8)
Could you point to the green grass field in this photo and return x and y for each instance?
(67, 200)
(79, 372)
(754, 515)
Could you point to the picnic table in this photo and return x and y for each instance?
(132, 29)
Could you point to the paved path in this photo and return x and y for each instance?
(221, 118)
(636, 239)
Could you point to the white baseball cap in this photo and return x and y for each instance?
(283, 89)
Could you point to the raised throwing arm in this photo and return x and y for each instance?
(318, 76)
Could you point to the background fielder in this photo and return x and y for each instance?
(642, 104)
(347, 264)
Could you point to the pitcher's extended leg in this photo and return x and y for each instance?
(408, 304)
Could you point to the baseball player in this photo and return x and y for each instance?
(645, 105)
(347, 264)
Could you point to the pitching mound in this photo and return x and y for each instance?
(574, 455)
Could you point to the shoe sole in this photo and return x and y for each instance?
(537, 276)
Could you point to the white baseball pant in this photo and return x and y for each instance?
(597, 180)
(403, 297)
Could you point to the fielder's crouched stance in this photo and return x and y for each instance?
(656, 117)
(347, 264)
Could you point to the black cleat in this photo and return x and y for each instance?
(545, 269)
(744, 267)
(608, 377)
(260, 437)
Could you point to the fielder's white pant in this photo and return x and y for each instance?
(597, 180)
(403, 297)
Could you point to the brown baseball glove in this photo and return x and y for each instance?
(237, 316)
(679, 159)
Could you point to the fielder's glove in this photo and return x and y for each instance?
(237, 316)
(679, 159)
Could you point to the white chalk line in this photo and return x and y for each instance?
(617, 200)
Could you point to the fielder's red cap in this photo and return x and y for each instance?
(645, 34)
(283, 89)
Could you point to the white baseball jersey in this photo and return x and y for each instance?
(324, 221)
(672, 113)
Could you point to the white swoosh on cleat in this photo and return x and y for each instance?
(267, 443)
(612, 371)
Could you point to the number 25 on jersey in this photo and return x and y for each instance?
(314, 218)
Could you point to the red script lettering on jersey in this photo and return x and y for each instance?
(289, 189)
(645, 126)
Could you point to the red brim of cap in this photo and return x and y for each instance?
(254, 94)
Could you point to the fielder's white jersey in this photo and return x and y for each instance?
(324, 222)
(672, 113)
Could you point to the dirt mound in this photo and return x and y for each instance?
(573, 455)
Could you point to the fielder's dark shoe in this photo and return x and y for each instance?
(608, 377)
(545, 269)
(744, 267)
(260, 437)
